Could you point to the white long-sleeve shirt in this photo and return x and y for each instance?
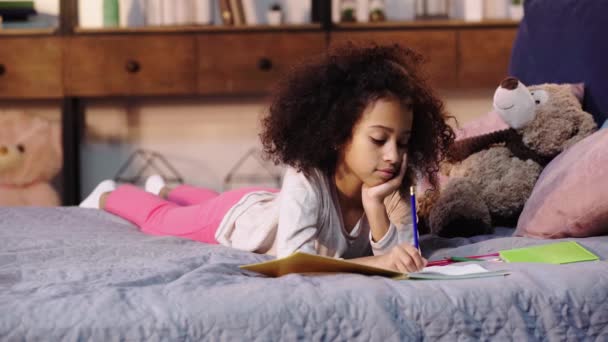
(305, 216)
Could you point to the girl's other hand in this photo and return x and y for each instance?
(403, 258)
(376, 194)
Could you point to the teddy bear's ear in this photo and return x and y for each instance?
(578, 89)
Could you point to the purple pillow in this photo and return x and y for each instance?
(570, 198)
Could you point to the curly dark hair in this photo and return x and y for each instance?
(314, 108)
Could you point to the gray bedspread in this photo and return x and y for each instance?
(81, 274)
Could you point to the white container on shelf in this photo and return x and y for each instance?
(274, 16)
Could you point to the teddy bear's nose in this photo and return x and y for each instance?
(21, 148)
(509, 83)
(3, 150)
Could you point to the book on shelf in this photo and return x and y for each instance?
(90, 14)
(17, 4)
(154, 12)
(168, 13)
(226, 12)
(249, 10)
(16, 10)
(39, 21)
(138, 13)
(184, 12)
(310, 264)
(132, 13)
(237, 12)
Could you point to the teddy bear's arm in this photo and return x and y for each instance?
(586, 126)
(461, 149)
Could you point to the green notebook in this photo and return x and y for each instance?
(554, 253)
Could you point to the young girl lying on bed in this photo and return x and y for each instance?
(348, 125)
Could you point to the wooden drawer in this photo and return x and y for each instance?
(30, 67)
(250, 63)
(484, 56)
(438, 46)
(102, 65)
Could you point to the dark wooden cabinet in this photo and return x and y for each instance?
(125, 65)
(250, 63)
(484, 56)
(437, 46)
(459, 55)
(224, 61)
(30, 67)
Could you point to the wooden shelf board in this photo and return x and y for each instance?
(199, 29)
(28, 32)
(430, 23)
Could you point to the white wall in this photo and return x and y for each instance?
(203, 140)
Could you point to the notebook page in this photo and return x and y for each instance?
(455, 270)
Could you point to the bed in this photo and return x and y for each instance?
(83, 274)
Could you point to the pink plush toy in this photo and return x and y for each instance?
(30, 157)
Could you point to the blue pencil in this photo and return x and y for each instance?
(414, 217)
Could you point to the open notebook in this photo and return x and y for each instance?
(304, 263)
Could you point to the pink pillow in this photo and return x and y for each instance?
(488, 123)
(570, 198)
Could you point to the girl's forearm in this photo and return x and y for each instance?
(378, 221)
(374, 261)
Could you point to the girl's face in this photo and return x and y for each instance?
(378, 143)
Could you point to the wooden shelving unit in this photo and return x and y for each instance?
(426, 24)
(77, 64)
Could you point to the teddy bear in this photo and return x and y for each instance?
(30, 157)
(487, 178)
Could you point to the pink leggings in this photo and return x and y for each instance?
(189, 212)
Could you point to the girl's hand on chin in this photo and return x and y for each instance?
(376, 194)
